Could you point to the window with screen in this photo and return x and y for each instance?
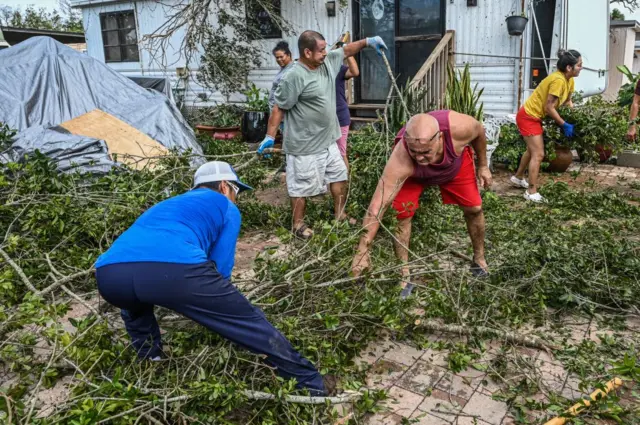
(119, 36)
(263, 21)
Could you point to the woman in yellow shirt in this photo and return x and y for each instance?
(551, 93)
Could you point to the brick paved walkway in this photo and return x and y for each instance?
(421, 386)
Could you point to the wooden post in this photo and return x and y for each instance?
(452, 49)
(349, 82)
(521, 67)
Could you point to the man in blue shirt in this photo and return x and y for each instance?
(179, 255)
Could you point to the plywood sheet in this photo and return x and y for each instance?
(132, 147)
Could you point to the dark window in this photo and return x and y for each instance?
(419, 17)
(545, 14)
(262, 20)
(119, 36)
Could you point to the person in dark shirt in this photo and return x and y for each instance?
(179, 255)
(347, 72)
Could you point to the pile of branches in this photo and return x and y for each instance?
(58, 335)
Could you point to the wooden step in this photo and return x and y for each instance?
(367, 106)
(364, 119)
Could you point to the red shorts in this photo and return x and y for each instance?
(528, 125)
(462, 190)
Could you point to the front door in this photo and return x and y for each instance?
(410, 28)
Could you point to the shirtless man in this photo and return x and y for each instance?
(432, 149)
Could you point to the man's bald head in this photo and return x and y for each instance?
(423, 138)
(422, 126)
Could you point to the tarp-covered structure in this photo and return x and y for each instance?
(44, 84)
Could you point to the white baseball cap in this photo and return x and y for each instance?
(216, 171)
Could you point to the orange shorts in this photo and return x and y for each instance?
(528, 125)
(462, 190)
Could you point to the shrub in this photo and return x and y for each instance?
(625, 95)
(257, 100)
(414, 99)
(598, 124)
(461, 97)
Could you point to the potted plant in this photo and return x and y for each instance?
(222, 123)
(516, 23)
(256, 115)
(601, 128)
(558, 156)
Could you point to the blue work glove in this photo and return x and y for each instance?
(568, 129)
(377, 43)
(266, 144)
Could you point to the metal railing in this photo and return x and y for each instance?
(433, 74)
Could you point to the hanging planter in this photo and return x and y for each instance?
(516, 24)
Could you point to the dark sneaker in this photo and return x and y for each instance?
(330, 384)
(478, 272)
(406, 291)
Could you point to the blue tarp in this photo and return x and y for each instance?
(44, 83)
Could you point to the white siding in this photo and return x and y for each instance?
(150, 15)
(499, 83)
(481, 30)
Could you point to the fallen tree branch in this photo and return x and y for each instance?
(256, 158)
(246, 164)
(347, 397)
(135, 409)
(18, 270)
(526, 340)
(7, 401)
(80, 300)
(64, 280)
(252, 395)
(395, 85)
(461, 255)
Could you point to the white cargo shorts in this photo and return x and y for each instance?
(309, 175)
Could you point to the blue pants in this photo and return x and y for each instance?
(199, 292)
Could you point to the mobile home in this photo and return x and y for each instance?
(465, 31)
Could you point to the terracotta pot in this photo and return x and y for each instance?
(604, 152)
(563, 160)
(219, 133)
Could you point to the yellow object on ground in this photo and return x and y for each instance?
(132, 146)
(577, 408)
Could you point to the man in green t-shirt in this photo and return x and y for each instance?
(306, 96)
